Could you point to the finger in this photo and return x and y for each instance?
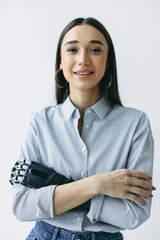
(136, 199)
(16, 179)
(20, 172)
(142, 184)
(24, 162)
(140, 192)
(139, 174)
(21, 167)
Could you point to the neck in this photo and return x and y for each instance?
(84, 99)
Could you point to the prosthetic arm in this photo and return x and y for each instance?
(36, 175)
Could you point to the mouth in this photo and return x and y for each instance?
(83, 73)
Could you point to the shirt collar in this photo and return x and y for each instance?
(68, 108)
(100, 108)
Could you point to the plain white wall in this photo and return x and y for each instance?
(29, 31)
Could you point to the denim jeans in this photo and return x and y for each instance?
(45, 231)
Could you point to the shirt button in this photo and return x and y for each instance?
(87, 125)
(83, 149)
(89, 111)
(82, 174)
(78, 219)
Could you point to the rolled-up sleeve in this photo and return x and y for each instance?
(32, 204)
(123, 213)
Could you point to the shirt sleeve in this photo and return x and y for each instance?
(32, 204)
(123, 213)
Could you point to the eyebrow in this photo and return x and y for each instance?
(92, 41)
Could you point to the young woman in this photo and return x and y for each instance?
(107, 149)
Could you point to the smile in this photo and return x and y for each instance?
(83, 73)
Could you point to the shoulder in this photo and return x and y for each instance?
(129, 114)
(46, 114)
(128, 111)
(47, 111)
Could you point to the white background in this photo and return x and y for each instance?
(29, 31)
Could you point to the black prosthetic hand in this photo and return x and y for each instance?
(36, 175)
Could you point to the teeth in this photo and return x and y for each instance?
(84, 73)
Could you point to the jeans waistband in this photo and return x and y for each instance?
(51, 232)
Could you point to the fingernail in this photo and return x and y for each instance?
(150, 177)
(151, 195)
(143, 202)
(153, 188)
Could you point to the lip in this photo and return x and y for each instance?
(84, 76)
(83, 71)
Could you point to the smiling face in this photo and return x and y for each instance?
(83, 57)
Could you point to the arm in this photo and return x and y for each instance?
(47, 202)
(116, 184)
(71, 195)
(125, 212)
(35, 175)
(31, 204)
(44, 203)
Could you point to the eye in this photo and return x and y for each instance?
(72, 50)
(95, 50)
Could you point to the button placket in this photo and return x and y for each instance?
(88, 119)
(84, 155)
(81, 165)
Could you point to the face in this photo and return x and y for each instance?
(83, 57)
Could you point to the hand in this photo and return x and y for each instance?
(35, 175)
(123, 183)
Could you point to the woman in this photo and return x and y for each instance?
(107, 149)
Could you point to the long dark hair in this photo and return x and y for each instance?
(108, 84)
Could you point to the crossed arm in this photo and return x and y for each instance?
(120, 192)
(35, 175)
(118, 184)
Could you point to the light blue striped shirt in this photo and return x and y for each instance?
(112, 138)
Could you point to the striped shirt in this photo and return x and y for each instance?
(112, 138)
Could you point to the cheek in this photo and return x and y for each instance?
(102, 64)
(103, 61)
(101, 67)
(67, 62)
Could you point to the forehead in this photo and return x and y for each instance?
(84, 34)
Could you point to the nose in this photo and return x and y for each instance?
(83, 58)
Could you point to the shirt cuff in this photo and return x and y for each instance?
(96, 205)
(44, 202)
